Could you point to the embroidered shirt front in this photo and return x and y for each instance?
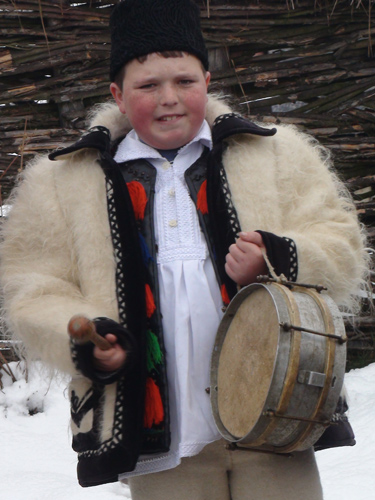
(189, 296)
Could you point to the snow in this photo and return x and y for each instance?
(37, 462)
(349, 473)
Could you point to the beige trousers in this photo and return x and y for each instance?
(221, 474)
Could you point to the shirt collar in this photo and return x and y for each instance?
(132, 148)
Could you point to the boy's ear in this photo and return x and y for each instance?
(208, 78)
(118, 96)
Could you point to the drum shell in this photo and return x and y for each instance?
(298, 356)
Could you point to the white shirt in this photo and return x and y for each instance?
(190, 300)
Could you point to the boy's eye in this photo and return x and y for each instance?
(147, 86)
(186, 81)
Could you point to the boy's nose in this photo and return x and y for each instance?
(168, 95)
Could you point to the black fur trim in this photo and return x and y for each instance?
(222, 214)
(232, 123)
(340, 433)
(121, 451)
(95, 138)
(282, 253)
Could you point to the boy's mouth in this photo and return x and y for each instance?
(169, 118)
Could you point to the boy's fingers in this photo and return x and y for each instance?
(230, 272)
(112, 339)
(100, 354)
(235, 255)
(106, 355)
(246, 246)
(230, 261)
(251, 237)
(110, 360)
(235, 250)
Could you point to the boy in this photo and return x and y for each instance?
(148, 225)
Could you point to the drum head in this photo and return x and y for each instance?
(246, 362)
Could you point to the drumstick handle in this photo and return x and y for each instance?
(82, 330)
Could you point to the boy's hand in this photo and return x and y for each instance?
(111, 359)
(245, 261)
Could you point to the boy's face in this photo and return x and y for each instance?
(164, 99)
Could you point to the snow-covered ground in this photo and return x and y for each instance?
(37, 463)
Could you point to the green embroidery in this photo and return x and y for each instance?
(154, 354)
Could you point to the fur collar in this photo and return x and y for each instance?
(106, 124)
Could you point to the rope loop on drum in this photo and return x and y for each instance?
(279, 279)
(282, 278)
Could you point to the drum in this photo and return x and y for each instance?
(277, 367)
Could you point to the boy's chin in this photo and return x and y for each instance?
(166, 144)
(172, 140)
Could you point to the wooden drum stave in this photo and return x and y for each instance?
(274, 387)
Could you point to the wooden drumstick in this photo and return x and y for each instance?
(83, 330)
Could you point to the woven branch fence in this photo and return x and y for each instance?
(309, 63)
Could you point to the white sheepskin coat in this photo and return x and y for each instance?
(57, 256)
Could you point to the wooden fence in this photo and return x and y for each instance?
(308, 62)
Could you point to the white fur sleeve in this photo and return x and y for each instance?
(318, 214)
(284, 185)
(39, 270)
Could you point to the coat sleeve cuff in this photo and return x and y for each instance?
(82, 355)
(340, 432)
(282, 253)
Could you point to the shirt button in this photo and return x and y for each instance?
(172, 223)
(166, 165)
(172, 192)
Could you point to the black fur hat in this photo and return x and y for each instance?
(140, 27)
